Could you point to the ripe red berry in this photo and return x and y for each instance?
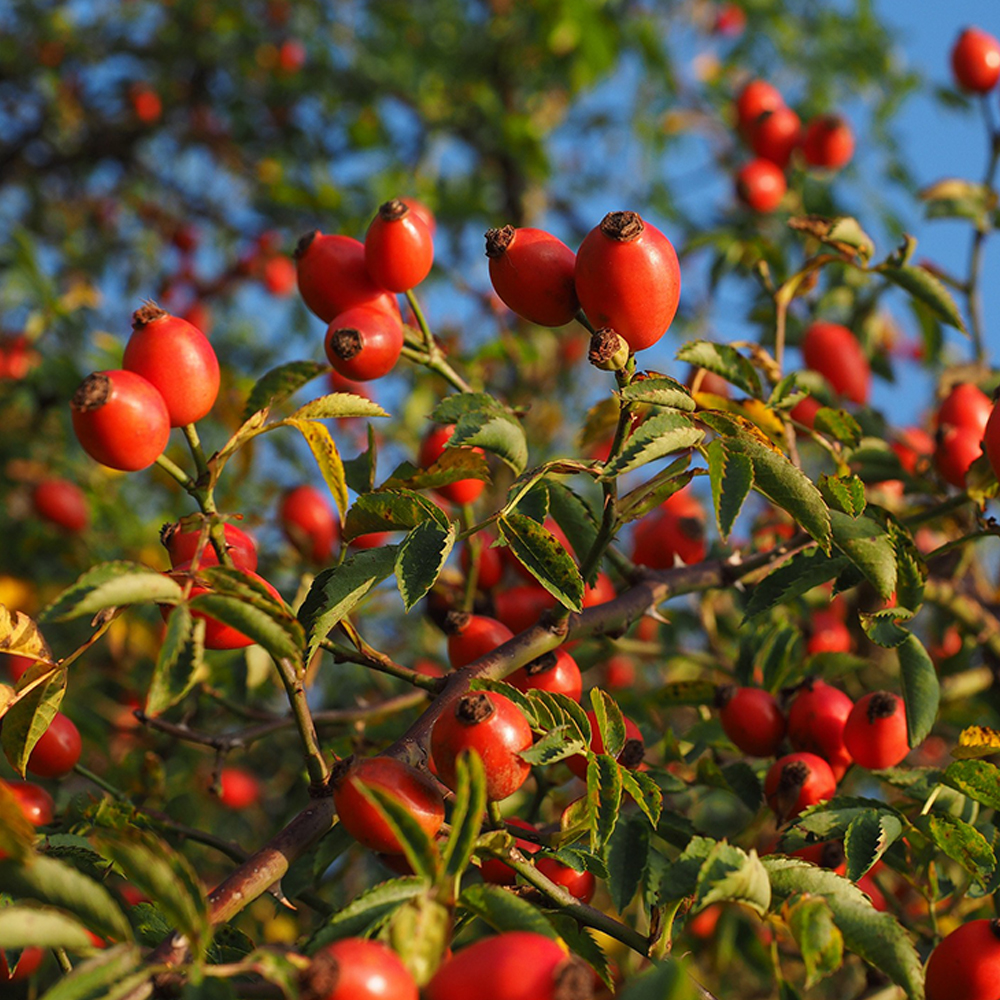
(361, 969)
(239, 788)
(27, 964)
(17, 665)
(576, 883)
(755, 99)
(399, 250)
(496, 729)
(628, 277)
(146, 103)
(805, 410)
(517, 965)
(309, 522)
(619, 671)
(966, 964)
(675, 530)
(828, 634)
(413, 789)
(291, 56)
(965, 406)
(533, 273)
(834, 352)
(913, 447)
(178, 359)
(556, 672)
(120, 420)
(431, 449)
(828, 142)
(797, 781)
(363, 343)
(875, 733)
(278, 275)
(35, 802)
(333, 278)
(629, 756)
(760, 185)
(61, 503)
(751, 718)
(956, 449)
(58, 750)
(520, 606)
(497, 872)
(182, 543)
(776, 134)
(975, 60)
(816, 719)
(730, 20)
(422, 212)
(473, 636)
(991, 440)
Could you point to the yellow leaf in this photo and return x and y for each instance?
(20, 635)
(977, 741)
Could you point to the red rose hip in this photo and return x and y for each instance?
(751, 718)
(875, 733)
(399, 250)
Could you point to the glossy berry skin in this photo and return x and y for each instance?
(630, 755)
(579, 884)
(627, 277)
(816, 719)
(333, 278)
(178, 359)
(474, 636)
(600, 592)
(991, 440)
(875, 733)
(797, 781)
(496, 729)
(533, 273)
(61, 503)
(975, 60)
(17, 666)
(805, 410)
(181, 545)
(278, 276)
(399, 250)
(966, 406)
(309, 522)
(761, 185)
(412, 788)
(828, 143)
(27, 964)
(120, 420)
(956, 449)
(517, 965)
(422, 212)
(913, 447)
(35, 802)
(363, 343)
(834, 352)
(828, 634)
(239, 788)
(755, 99)
(58, 750)
(431, 449)
(369, 970)
(966, 964)
(497, 872)
(751, 718)
(776, 134)
(520, 606)
(556, 672)
(675, 531)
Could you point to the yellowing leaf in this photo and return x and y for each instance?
(20, 635)
(977, 741)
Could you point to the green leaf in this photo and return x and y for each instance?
(264, 621)
(555, 745)
(724, 361)
(359, 472)
(640, 501)
(868, 837)
(647, 794)
(582, 943)
(812, 924)
(843, 233)
(498, 433)
(831, 820)
(610, 721)
(661, 391)
(574, 515)
(604, 796)
(730, 874)
(504, 912)
(466, 814)
(799, 575)
(655, 438)
(844, 493)
(324, 450)
(628, 858)
(25, 926)
(280, 383)
(961, 842)
(367, 911)
(391, 510)
(664, 981)
(336, 592)
(27, 719)
(867, 544)
(452, 408)
(543, 556)
(560, 709)
(978, 779)
(921, 689)
(112, 584)
(923, 285)
(882, 628)
(744, 783)
(421, 852)
(420, 558)
(838, 425)
(179, 664)
(338, 405)
(109, 975)
(451, 466)
(419, 932)
(731, 476)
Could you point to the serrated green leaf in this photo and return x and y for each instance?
(800, 574)
(844, 493)
(811, 922)
(498, 433)
(452, 408)
(359, 472)
(867, 544)
(744, 783)
(830, 820)
(28, 926)
(180, 662)
(604, 795)
(112, 584)
(731, 476)
(610, 721)
(573, 515)
(883, 629)
(628, 858)
(921, 689)
(647, 794)
(838, 425)
(923, 285)
(466, 814)
(664, 981)
(730, 874)
(419, 932)
(961, 842)
(655, 438)
(420, 558)
(560, 709)
(393, 510)
(582, 943)
(978, 779)
(452, 465)
(661, 391)
(543, 556)
(338, 405)
(280, 383)
(868, 837)
(367, 911)
(643, 499)
(724, 361)
(324, 450)
(555, 745)
(265, 623)
(421, 852)
(26, 721)
(504, 912)
(911, 570)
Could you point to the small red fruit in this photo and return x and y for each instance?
(619, 670)
(828, 634)
(473, 636)
(520, 606)
(365, 970)
(834, 352)
(629, 756)
(146, 103)
(399, 250)
(422, 212)
(58, 750)
(496, 729)
(797, 781)
(966, 406)
(816, 721)
(675, 530)
(291, 56)
(556, 672)
(413, 789)
(239, 788)
(35, 802)
(875, 733)
(776, 134)
(27, 965)
(61, 503)
(755, 99)
(913, 447)
(309, 522)
(120, 420)
(966, 964)
(533, 273)
(805, 410)
(278, 275)
(956, 449)
(17, 666)
(730, 20)
(760, 185)
(828, 142)
(181, 545)
(627, 277)
(364, 343)
(975, 60)
(431, 449)
(751, 718)
(178, 359)
(579, 884)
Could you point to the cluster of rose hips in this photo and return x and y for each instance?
(774, 133)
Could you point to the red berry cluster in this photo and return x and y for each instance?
(961, 423)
